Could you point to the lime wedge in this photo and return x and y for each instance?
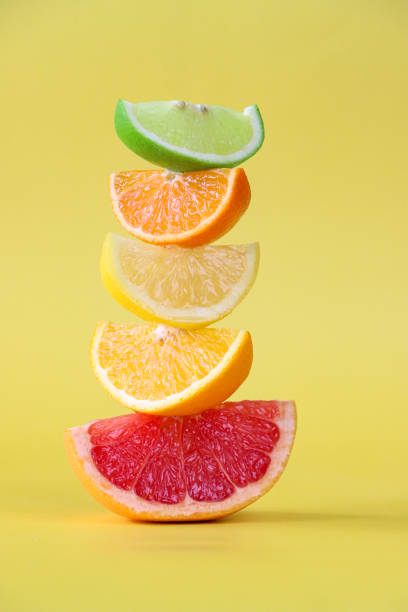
(182, 136)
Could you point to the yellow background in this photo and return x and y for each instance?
(328, 313)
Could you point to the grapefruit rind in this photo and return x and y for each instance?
(212, 389)
(151, 147)
(213, 227)
(141, 304)
(129, 505)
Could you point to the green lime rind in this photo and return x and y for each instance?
(157, 150)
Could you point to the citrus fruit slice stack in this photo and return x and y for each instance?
(185, 453)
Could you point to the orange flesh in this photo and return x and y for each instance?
(147, 366)
(189, 208)
(160, 202)
(141, 365)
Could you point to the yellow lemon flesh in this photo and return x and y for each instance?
(182, 287)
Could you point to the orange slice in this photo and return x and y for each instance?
(184, 468)
(188, 209)
(166, 370)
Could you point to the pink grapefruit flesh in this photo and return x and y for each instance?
(184, 468)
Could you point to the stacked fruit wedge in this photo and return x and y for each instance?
(185, 453)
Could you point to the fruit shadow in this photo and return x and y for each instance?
(270, 517)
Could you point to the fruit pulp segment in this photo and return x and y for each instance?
(205, 456)
(183, 278)
(149, 366)
(161, 202)
(197, 127)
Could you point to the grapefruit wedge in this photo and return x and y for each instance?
(187, 468)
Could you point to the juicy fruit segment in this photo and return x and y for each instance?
(189, 209)
(194, 125)
(184, 468)
(183, 136)
(182, 287)
(164, 370)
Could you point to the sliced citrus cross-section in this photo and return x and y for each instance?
(166, 370)
(183, 136)
(184, 468)
(182, 287)
(188, 209)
